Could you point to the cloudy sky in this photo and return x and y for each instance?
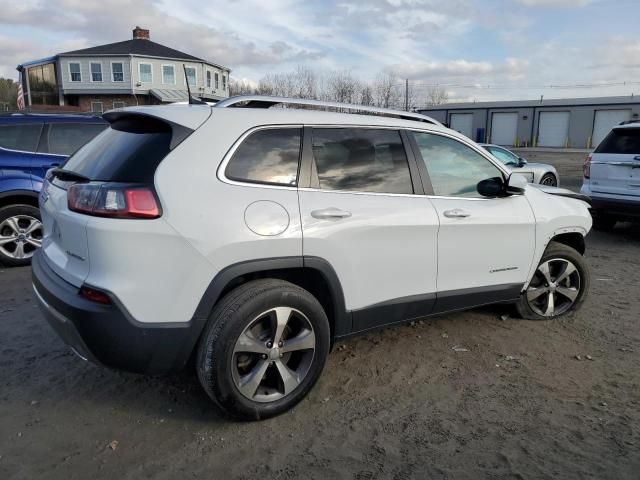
(518, 48)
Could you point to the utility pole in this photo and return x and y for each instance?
(406, 95)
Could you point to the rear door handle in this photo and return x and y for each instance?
(330, 213)
(456, 213)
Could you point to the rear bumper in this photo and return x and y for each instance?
(106, 334)
(617, 208)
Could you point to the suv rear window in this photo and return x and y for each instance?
(66, 138)
(621, 141)
(22, 137)
(127, 151)
(267, 156)
(361, 159)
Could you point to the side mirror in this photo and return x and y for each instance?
(492, 187)
(516, 184)
(521, 162)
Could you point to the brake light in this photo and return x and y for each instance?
(95, 295)
(586, 169)
(113, 200)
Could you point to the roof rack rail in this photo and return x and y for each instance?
(265, 101)
(627, 122)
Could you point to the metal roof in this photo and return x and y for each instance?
(552, 102)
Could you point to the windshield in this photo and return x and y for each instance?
(504, 156)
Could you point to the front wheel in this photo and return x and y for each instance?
(20, 234)
(263, 349)
(559, 284)
(549, 179)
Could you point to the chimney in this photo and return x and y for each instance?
(140, 33)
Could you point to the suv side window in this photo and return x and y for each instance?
(66, 138)
(454, 169)
(267, 156)
(22, 137)
(361, 159)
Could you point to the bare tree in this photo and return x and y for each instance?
(437, 95)
(342, 86)
(8, 94)
(385, 90)
(240, 87)
(366, 95)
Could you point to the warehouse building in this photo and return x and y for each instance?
(566, 123)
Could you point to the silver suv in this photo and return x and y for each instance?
(612, 177)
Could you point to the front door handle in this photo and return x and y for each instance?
(456, 213)
(330, 213)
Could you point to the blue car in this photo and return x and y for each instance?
(31, 144)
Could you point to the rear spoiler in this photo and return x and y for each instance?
(147, 123)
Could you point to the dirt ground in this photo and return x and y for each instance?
(397, 404)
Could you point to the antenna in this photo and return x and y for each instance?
(192, 100)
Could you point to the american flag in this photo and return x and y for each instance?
(20, 100)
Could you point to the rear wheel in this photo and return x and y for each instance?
(263, 349)
(20, 234)
(549, 179)
(559, 284)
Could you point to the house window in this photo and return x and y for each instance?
(117, 72)
(168, 75)
(191, 75)
(146, 76)
(224, 82)
(217, 81)
(74, 72)
(119, 104)
(208, 79)
(96, 107)
(96, 72)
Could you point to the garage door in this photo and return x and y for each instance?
(463, 123)
(605, 119)
(553, 129)
(504, 128)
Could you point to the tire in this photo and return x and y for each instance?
(24, 223)
(549, 179)
(534, 302)
(603, 223)
(233, 347)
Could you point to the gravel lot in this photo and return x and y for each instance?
(399, 403)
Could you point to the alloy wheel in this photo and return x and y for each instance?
(20, 236)
(554, 288)
(273, 354)
(549, 180)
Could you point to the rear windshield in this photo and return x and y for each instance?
(622, 141)
(127, 151)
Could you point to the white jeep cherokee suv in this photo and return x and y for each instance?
(252, 239)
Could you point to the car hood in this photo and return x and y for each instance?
(561, 192)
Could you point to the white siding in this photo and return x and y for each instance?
(605, 120)
(553, 129)
(85, 70)
(463, 123)
(180, 84)
(504, 128)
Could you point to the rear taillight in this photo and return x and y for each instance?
(586, 169)
(95, 295)
(113, 200)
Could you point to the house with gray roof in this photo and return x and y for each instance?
(133, 72)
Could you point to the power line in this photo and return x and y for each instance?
(517, 87)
